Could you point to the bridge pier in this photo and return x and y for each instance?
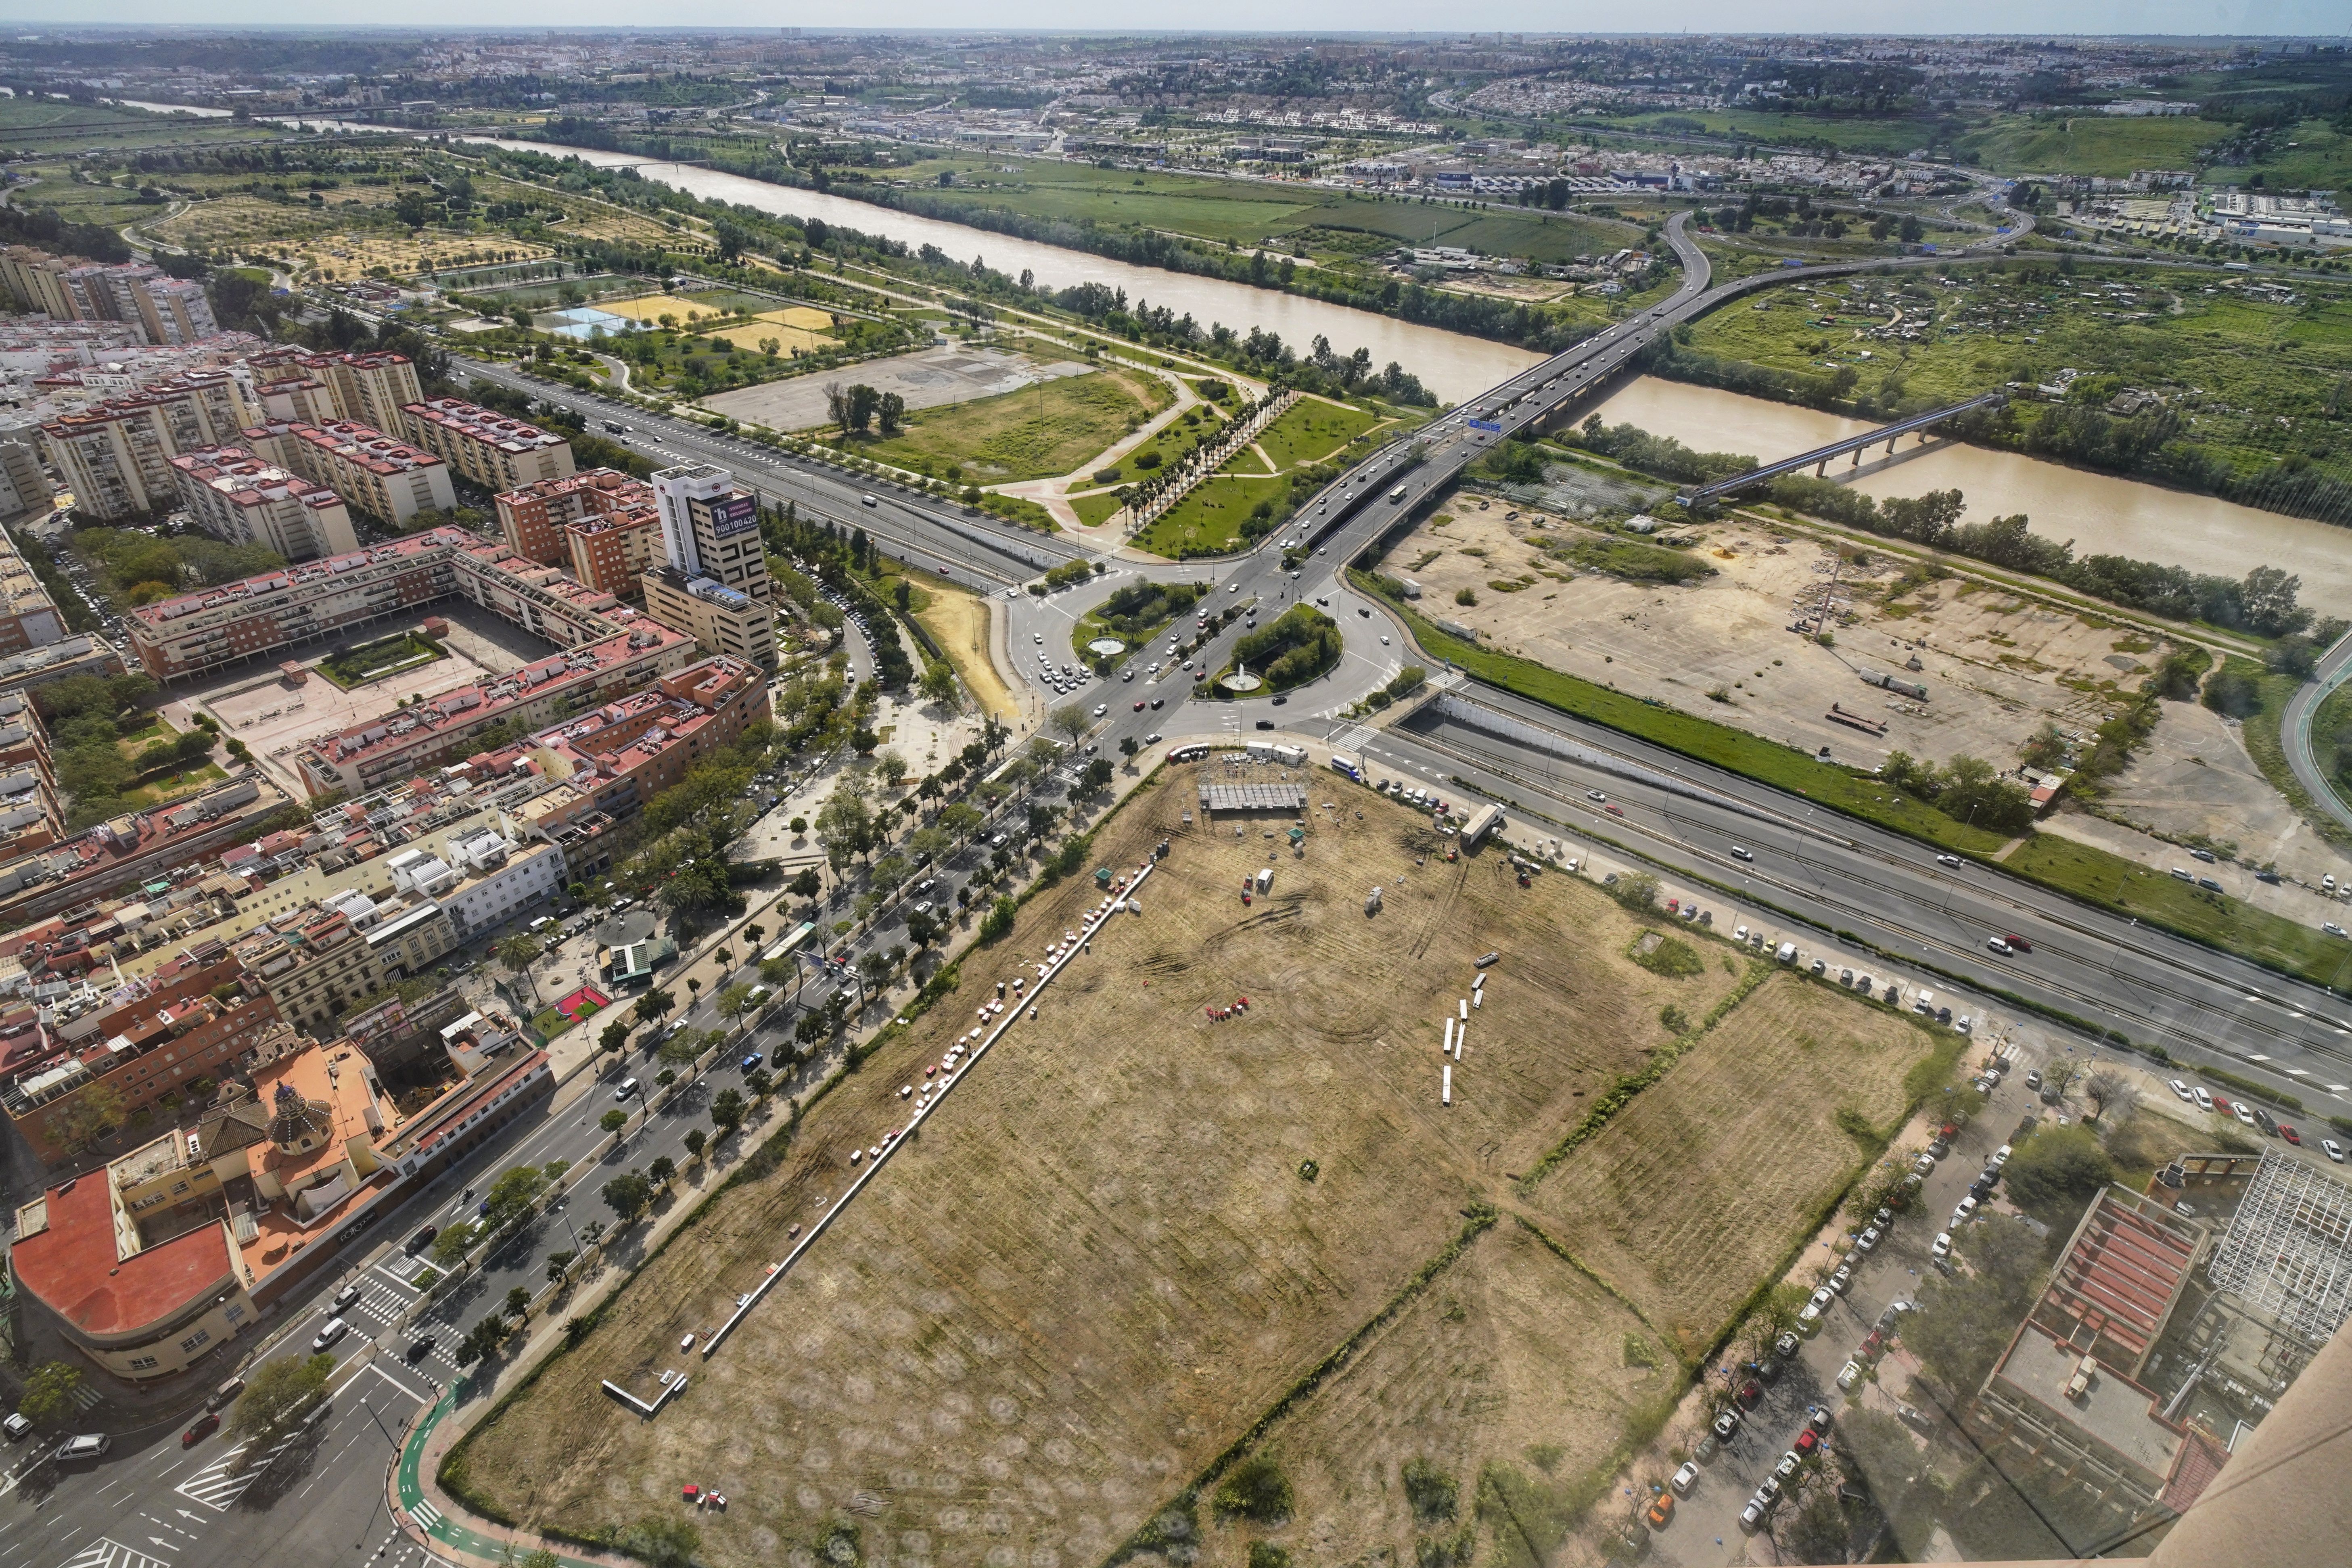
(1890, 444)
(1857, 456)
(1821, 468)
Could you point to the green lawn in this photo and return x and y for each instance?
(161, 787)
(2263, 733)
(1312, 430)
(1095, 510)
(1033, 434)
(1208, 520)
(351, 666)
(2128, 888)
(2331, 739)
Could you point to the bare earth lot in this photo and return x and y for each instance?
(1102, 1260)
(1995, 667)
(925, 379)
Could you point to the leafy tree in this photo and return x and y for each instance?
(1071, 720)
(538, 1557)
(940, 686)
(998, 921)
(1432, 1492)
(629, 1195)
(557, 1262)
(615, 1036)
(760, 1083)
(514, 1191)
(727, 1111)
(50, 1393)
(614, 1120)
(483, 1340)
(653, 1005)
(2056, 1171)
(696, 1142)
(662, 1170)
(449, 1248)
(278, 1394)
(1256, 1490)
(2114, 1095)
(807, 884)
(88, 1119)
(518, 1302)
(1964, 1320)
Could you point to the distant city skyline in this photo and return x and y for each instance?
(2189, 20)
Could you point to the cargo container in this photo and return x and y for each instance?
(1445, 1086)
(1482, 821)
(1259, 750)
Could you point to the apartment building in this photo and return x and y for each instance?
(447, 729)
(327, 958)
(720, 619)
(31, 817)
(116, 456)
(297, 400)
(164, 310)
(495, 450)
(484, 881)
(334, 596)
(24, 489)
(146, 1049)
(387, 479)
(234, 496)
(131, 849)
(710, 528)
(611, 508)
(28, 618)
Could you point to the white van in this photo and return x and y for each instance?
(87, 1445)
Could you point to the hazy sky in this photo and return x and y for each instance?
(2039, 17)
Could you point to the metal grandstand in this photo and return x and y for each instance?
(2288, 1253)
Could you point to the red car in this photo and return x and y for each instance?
(1139, 706)
(1807, 1441)
(1749, 1393)
(2017, 941)
(2290, 1134)
(1613, 809)
(201, 1427)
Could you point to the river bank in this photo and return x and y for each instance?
(2103, 514)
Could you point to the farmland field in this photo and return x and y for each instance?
(1703, 1184)
(1133, 1230)
(45, 126)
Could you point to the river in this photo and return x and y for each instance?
(1453, 366)
(2101, 515)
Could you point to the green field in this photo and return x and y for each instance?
(1312, 430)
(2091, 143)
(51, 127)
(1036, 433)
(1095, 510)
(2255, 380)
(1208, 520)
(370, 661)
(1251, 214)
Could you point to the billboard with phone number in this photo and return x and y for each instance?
(734, 515)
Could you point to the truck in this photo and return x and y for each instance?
(1787, 954)
(1894, 683)
(1482, 821)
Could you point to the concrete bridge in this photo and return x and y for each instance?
(1819, 458)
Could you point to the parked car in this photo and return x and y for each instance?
(2290, 1134)
(1751, 1517)
(1807, 1441)
(1684, 1479)
(1850, 1375)
(1943, 1247)
(1662, 1511)
(1750, 1394)
(1786, 1345)
(1867, 1240)
(17, 1427)
(1841, 1278)
(2033, 1078)
(2181, 1089)
(1967, 1206)
(1726, 1423)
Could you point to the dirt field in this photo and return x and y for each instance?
(1995, 667)
(925, 379)
(1701, 1185)
(1102, 1258)
(959, 621)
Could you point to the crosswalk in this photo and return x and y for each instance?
(1354, 740)
(217, 1486)
(105, 1553)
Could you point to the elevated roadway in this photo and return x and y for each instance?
(1818, 458)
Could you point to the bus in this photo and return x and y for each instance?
(1341, 762)
(794, 939)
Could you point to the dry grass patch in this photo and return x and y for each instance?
(1101, 1259)
(1511, 1356)
(1703, 1184)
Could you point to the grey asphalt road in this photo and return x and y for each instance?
(1836, 874)
(2295, 725)
(967, 547)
